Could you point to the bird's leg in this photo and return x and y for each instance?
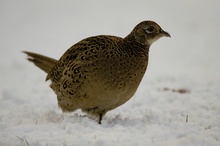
(100, 118)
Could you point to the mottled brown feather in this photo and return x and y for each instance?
(102, 72)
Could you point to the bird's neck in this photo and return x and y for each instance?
(135, 46)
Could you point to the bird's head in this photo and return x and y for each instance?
(148, 32)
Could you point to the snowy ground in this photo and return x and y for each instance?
(157, 115)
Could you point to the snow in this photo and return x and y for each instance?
(158, 114)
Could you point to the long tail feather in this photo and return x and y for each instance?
(43, 62)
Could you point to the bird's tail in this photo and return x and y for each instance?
(43, 62)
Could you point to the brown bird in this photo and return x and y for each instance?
(102, 72)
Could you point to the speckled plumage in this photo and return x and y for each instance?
(100, 73)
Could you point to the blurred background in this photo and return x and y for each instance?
(50, 27)
(190, 60)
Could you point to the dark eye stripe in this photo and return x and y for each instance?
(150, 29)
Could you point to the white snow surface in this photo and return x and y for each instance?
(157, 115)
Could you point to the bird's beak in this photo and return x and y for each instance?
(164, 33)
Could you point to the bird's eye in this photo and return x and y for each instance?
(150, 29)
